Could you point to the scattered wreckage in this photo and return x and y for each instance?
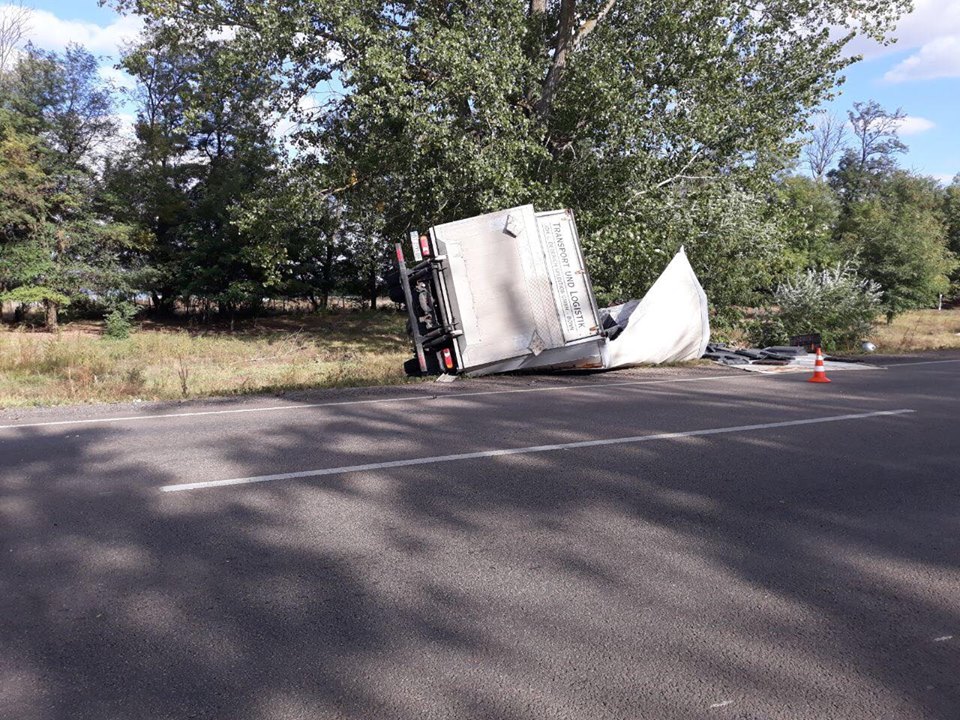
(799, 356)
(510, 291)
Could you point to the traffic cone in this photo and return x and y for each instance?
(819, 374)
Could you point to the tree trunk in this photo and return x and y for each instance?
(326, 284)
(372, 287)
(51, 308)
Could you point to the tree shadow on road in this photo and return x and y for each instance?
(649, 580)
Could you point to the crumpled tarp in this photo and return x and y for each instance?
(670, 323)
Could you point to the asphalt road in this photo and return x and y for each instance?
(672, 544)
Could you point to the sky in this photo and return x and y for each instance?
(920, 73)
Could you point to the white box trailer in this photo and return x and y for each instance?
(510, 291)
(504, 291)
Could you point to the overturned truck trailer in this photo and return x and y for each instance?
(510, 291)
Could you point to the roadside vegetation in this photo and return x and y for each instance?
(271, 162)
(918, 330)
(82, 364)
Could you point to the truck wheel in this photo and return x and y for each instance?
(394, 288)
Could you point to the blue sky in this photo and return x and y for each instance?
(920, 73)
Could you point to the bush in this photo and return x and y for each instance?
(767, 329)
(118, 321)
(836, 302)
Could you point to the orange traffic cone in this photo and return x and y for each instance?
(819, 374)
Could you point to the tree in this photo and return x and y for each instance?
(62, 98)
(203, 149)
(875, 130)
(808, 211)
(14, 24)
(23, 211)
(900, 240)
(873, 155)
(612, 107)
(301, 232)
(951, 216)
(826, 141)
(71, 249)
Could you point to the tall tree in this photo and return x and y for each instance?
(203, 148)
(875, 131)
(899, 238)
(608, 106)
(873, 155)
(951, 216)
(827, 139)
(63, 98)
(60, 100)
(14, 25)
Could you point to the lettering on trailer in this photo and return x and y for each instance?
(569, 288)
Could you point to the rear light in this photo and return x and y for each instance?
(447, 359)
(425, 245)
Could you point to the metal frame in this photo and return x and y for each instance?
(446, 325)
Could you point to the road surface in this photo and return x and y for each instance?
(681, 543)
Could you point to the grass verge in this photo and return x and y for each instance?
(919, 330)
(158, 362)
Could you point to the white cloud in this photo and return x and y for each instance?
(944, 178)
(936, 59)
(126, 122)
(118, 78)
(913, 125)
(932, 35)
(50, 32)
(930, 19)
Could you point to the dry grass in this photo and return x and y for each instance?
(77, 365)
(919, 330)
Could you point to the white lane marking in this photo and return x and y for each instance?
(412, 398)
(943, 638)
(721, 704)
(921, 362)
(520, 451)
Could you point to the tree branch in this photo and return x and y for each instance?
(568, 39)
(589, 25)
(562, 45)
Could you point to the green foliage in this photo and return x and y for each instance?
(733, 244)
(836, 302)
(57, 240)
(766, 329)
(203, 151)
(118, 321)
(899, 238)
(63, 98)
(623, 111)
(951, 218)
(31, 294)
(808, 211)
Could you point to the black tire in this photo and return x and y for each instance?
(394, 287)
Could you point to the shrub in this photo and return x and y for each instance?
(766, 329)
(836, 302)
(118, 321)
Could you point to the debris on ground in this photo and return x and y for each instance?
(778, 359)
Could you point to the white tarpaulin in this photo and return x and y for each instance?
(670, 324)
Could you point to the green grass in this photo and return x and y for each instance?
(158, 362)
